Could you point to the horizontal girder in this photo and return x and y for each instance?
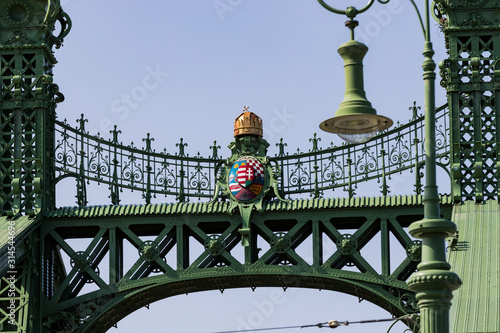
(127, 262)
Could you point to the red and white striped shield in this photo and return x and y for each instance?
(245, 174)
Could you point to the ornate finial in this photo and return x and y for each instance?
(415, 109)
(248, 123)
(215, 149)
(115, 133)
(181, 146)
(148, 141)
(82, 122)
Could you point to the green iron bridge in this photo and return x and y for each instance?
(300, 199)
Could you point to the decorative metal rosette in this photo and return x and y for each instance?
(149, 250)
(215, 245)
(280, 242)
(18, 13)
(80, 260)
(246, 178)
(347, 244)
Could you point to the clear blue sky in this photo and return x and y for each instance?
(187, 68)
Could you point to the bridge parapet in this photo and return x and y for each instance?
(317, 172)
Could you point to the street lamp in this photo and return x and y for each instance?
(433, 282)
(355, 121)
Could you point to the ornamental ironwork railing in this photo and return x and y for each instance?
(349, 165)
(316, 173)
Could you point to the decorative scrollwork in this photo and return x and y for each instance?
(409, 303)
(199, 180)
(99, 163)
(474, 19)
(400, 151)
(366, 162)
(164, 177)
(315, 172)
(55, 96)
(300, 176)
(65, 27)
(333, 170)
(441, 137)
(132, 170)
(19, 38)
(65, 152)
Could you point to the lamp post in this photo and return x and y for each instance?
(433, 282)
(355, 121)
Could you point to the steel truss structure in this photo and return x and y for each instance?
(184, 247)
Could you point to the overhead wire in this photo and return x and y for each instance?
(261, 329)
(330, 324)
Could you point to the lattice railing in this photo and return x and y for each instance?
(394, 152)
(90, 158)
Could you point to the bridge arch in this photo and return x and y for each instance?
(266, 307)
(121, 306)
(211, 268)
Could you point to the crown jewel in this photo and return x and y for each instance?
(248, 123)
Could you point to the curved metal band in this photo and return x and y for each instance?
(343, 12)
(368, 5)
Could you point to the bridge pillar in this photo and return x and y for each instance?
(28, 100)
(471, 76)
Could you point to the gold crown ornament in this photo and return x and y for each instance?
(248, 123)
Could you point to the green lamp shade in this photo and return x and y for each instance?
(355, 121)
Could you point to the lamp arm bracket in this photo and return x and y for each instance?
(351, 12)
(419, 17)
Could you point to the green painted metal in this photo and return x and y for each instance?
(470, 75)
(356, 121)
(224, 207)
(38, 152)
(15, 234)
(178, 176)
(474, 256)
(434, 282)
(16, 299)
(166, 262)
(28, 99)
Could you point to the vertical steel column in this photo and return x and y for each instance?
(434, 282)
